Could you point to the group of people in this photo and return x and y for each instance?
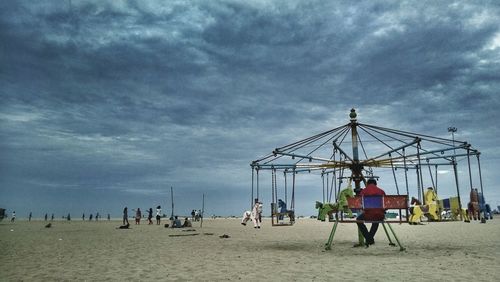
(255, 215)
(138, 216)
(97, 217)
(196, 215)
(176, 223)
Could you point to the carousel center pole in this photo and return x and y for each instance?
(356, 167)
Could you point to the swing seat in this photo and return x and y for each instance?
(275, 217)
(387, 202)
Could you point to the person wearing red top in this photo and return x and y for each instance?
(372, 213)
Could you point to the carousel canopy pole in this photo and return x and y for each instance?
(356, 167)
(436, 179)
(406, 173)
(419, 171)
(323, 178)
(432, 178)
(420, 196)
(470, 172)
(481, 183)
(286, 192)
(251, 199)
(257, 185)
(456, 183)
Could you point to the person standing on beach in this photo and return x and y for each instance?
(125, 216)
(150, 216)
(45, 217)
(257, 214)
(13, 216)
(83, 217)
(109, 217)
(138, 216)
(158, 215)
(370, 214)
(29, 217)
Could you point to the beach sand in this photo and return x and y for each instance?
(96, 251)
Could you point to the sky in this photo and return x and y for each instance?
(106, 104)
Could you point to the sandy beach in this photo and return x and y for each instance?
(96, 251)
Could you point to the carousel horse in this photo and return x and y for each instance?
(473, 205)
(341, 205)
(430, 209)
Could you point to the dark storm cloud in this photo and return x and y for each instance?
(137, 96)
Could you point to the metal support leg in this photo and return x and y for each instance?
(388, 236)
(361, 240)
(401, 248)
(328, 245)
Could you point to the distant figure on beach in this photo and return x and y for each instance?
(150, 216)
(83, 217)
(138, 216)
(176, 222)
(158, 215)
(45, 217)
(125, 216)
(52, 217)
(247, 215)
(13, 216)
(257, 214)
(29, 217)
(370, 214)
(90, 217)
(193, 213)
(196, 215)
(109, 217)
(69, 217)
(187, 223)
(200, 215)
(96, 216)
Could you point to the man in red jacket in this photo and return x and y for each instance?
(371, 214)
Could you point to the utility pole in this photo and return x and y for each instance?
(172, 197)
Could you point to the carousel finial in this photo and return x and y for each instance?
(353, 114)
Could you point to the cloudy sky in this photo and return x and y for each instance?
(106, 104)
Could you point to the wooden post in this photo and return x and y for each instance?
(202, 210)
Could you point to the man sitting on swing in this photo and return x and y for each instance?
(372, 214)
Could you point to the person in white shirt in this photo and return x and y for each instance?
(158, 215)
(257, 214)
(247, 215)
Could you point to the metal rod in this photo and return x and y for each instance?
(202, 210)
(456, 183)
(481, 185)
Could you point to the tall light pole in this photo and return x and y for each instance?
(453, 129)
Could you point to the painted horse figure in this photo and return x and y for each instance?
(430, 209)
(473, 205)
(329, 209)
